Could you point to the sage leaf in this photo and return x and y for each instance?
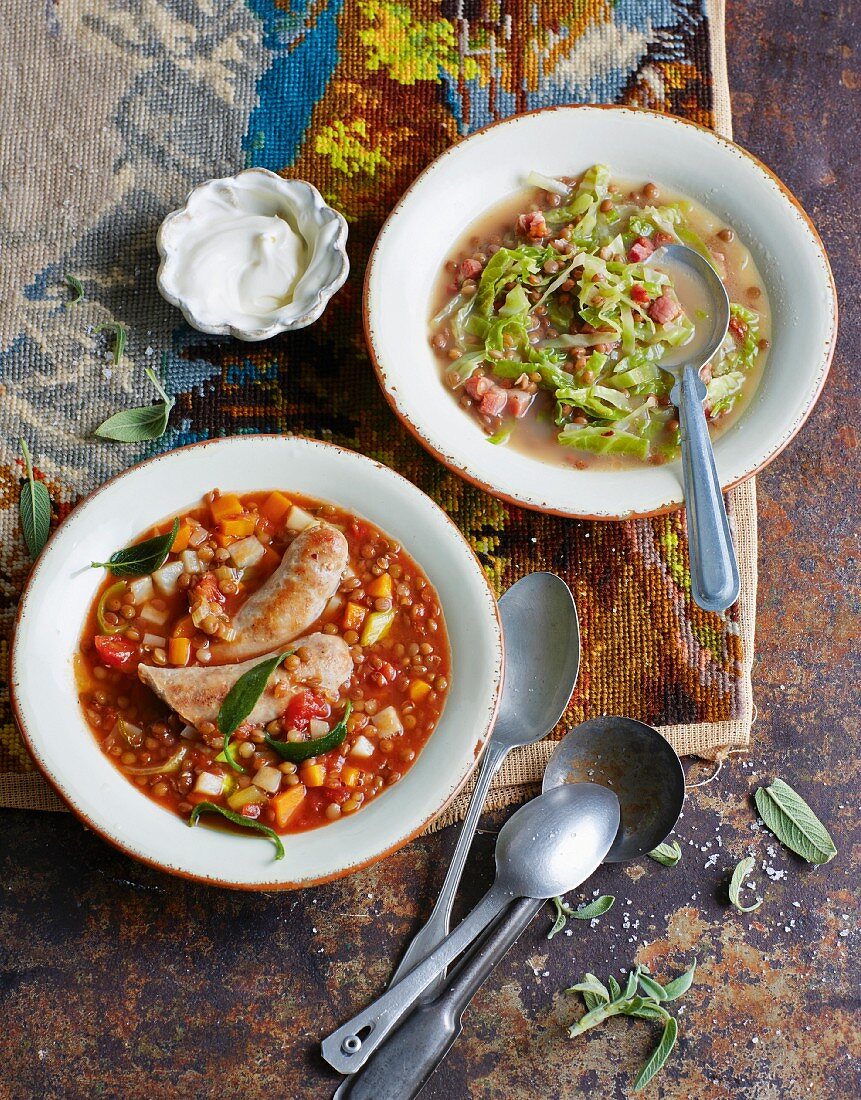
(742, 870)
(142, 424)
(679, 986)
(144, 557)
(561, 917)
(591, 984)
(586, 912)
(242, 697)
(121, 337)
(666, 854)
(297, 751)
(794, 823)
(659, 1055)
(614, 987)
(76, 287)
(237, 819)
(652, 988)
(34, 508)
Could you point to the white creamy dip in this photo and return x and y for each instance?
(252, 254)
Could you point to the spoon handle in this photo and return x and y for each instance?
(346, 1050)
(431, 934)
(403, 1064)
(714, 569)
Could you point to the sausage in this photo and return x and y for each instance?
(291, 599)
(196, 694)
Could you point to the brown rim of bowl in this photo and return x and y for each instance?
(662, 509)
(208, 880)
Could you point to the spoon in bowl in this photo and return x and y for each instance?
(645, 773)
(535, 693)
(714, 569)
(548, 847)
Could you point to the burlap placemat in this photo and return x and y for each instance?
(113, 112)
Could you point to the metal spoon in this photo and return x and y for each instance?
(537, 687)
(547, 847)
(714, 569)
(646, 774)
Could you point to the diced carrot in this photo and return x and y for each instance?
(350, 775)
(354, 616)
(286, 804)
(313, 775)
(240, 527)
(276, 506)
(225, 506)
(224, 540)
(185, 628)
(179, 651)
(418, 690)
(381, 587)
(180, 543)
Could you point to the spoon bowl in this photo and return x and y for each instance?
(712, 330)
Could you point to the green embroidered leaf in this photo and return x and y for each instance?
(794, 823)
(666, 854)
(140, 424)
(237, 819)
(34, 508)
(144, 557)
(121, 337)
(659, 1056)
(742, 870)
(76, 287)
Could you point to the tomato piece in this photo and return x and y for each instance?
(303, 707)
(640, 294)
(207, 587)
(116, 652)
(251, 809)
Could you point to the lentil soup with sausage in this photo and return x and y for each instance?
(265, 656)
(553, 313)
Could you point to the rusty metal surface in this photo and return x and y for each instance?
(116, 981)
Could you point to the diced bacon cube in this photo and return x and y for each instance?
(494, 401)
(664, 309)
(532, 225)
(640, 250)
(469, 269)
(639, 294)
(738, 328)
(518, 402)
(477, 386)
(661, 238)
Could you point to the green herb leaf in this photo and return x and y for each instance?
(659, 1056)
(591, 984)
(34, 508)
(562, 914)
(679, 986)
(121, 337)
(652, 988)
(145, 557)
(594, 909)
(742, 870)
(614, 987)
(297, 751)
(242, 697)
(501, 436)
(666, 854)
(237, 819)
(794, 823)
(142, 424)
(77, 288)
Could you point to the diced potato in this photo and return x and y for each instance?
(141, 589)
(245, 796)
(179, 651)
(286, 804)
(239, 527)
(318, 728)
(198, 536)
(182, 537)
(388, 722)
(153, 616)
(335, 604)
(377, 625)
(313, 775)
(247, 552)
(381, 587)
(165, 579)
(189, 733)
(276, 506)
(190, 561)
(155, 641)
(207, 783)
(419, 689)
(225, 506)
(350, 775)
(362, 749)
(354, 615)
(267, 779)
(299, 519)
